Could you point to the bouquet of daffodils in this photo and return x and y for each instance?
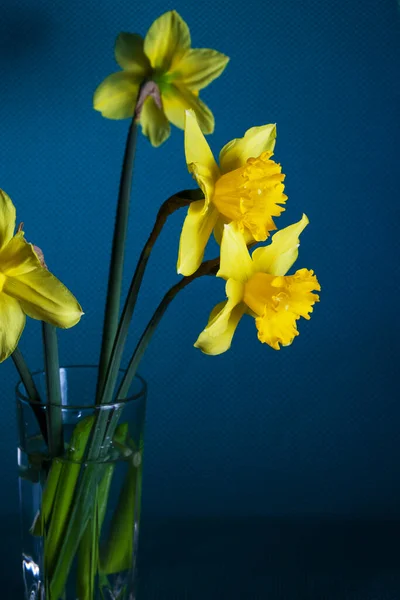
(236, 200)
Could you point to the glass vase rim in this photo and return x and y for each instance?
(21, 396)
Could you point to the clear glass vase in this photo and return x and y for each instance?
(80, 508)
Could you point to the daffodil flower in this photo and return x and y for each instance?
(258, 285)
(246, 188)
(27, 287)
(179, 72)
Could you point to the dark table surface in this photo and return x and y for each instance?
(252, 559)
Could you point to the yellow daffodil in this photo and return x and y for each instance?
(246, 188)
(179, 72)
(27, 287)
(258, 285)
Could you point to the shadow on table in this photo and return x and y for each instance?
(251, 559)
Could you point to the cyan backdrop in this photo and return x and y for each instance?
(313, 428)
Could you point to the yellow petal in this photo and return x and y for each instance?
(42, 296)
(116, 96)
(278, 302)
(18, 257)
(255, 141)
(167, 38)
(198, 67)
(282, 252)
(154, 123)
(199, 158)
(235, 258)
(7, 218)
(129, 54)
(219, 230)
(196, 230)
(217, 344)
(178, 99)
(12, 323)
(217, 336)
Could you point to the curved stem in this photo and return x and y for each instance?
(168, 207)
(117, 256)
(208, 267)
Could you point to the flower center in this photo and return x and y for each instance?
(258, 292)
(251, 194)
(278, 302)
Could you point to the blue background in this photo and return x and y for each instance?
(314, 428)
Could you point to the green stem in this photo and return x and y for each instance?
(80, 509)
(64, 504)
(75, 526)
(87, 563)
(206, 268)
(54, 410)
(179, 200)
(105, 427)
(117, 256)
(88, 551)
(117, 554)
(42, 520)
(119, 551)
(168, 207)
(31, 390)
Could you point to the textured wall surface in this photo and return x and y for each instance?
(313, 428)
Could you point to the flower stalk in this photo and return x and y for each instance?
(54, 406)
(208, 267)
(31, 390)
(173, 203)
(117, 258)
(179, 200)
